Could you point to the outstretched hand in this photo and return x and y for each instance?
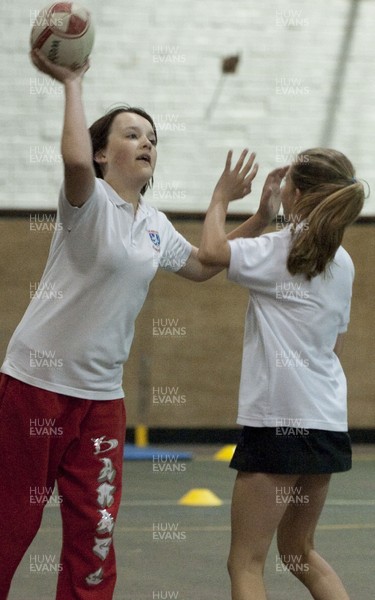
(270, 200)
(62, 74)
(235, 184)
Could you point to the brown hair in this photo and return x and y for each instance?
(100, 130)
(331, 199)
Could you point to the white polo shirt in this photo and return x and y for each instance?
(78, 328)
(290, 375)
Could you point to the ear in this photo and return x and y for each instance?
(100, 157)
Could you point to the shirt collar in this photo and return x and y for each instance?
(143, 208)
(115, 198)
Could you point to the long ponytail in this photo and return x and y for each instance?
(330, 200)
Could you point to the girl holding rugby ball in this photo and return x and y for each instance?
(61, 397)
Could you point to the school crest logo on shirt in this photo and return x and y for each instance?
(155, 238)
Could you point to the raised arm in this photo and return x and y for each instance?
(214, 248)
(76, 149)
(269, 206)
(232, 185)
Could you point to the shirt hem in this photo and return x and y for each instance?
(295, 423)
(62, 389)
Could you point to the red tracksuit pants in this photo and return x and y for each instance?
(47, 437)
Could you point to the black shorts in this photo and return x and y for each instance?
(291, 450)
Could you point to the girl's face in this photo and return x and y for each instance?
(131, 149)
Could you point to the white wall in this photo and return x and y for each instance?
(165, 55)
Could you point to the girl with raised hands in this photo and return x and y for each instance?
(292, 401)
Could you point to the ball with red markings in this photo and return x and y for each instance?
(64, 33)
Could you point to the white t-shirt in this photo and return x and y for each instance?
(290, 375)
(78, 328)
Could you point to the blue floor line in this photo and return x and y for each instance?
(132, 452)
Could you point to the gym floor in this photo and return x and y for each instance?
(167, 550)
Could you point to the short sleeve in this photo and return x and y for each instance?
(253, 261)
(174, 248)
(345, 315)
(67, 214)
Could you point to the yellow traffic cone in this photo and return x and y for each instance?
(225, 453)
(200, 497)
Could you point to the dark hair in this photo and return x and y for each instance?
(100, 130)
(331, 199)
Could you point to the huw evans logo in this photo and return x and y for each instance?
(167, 464)
(167, 532)
(167, 328)
(44, 563)
(291, 359)
(45, 427)
(168, 396)
(45, 291)
(291, 495)
(45, 358)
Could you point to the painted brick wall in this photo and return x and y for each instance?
(166, 56)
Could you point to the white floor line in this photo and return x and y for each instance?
(226, 502)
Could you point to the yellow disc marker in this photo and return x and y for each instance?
(200, 497)
(225, 453)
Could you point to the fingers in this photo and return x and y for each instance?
(228, 162)
(284, 170)
(241, 160)
(42, 62)
(279, 173)
(40, 58)
(253, 172)
(240, 168)
(249, 170)
(239, 178)
(250, 161)
(56, 71)
(36, 59)
(275, 177)
(85, 67)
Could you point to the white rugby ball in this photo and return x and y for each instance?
(64, 33)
